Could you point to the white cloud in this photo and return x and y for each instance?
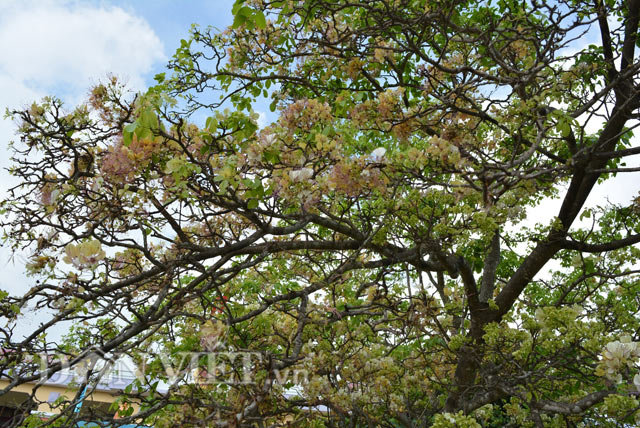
(63, 45)
(262, 119)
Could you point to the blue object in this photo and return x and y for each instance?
(79, 405)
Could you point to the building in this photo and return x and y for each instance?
(44, 398)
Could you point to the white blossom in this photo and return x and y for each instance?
(301, 174)
(268, 139)
(618, 354)
(378, 153)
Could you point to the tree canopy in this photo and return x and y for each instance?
(369, 249)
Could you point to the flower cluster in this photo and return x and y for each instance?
(304, 114)
(85, 254)
(49, 192)
(120, 162)
(446, 420)
(618, 355)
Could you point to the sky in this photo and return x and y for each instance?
(63, 47)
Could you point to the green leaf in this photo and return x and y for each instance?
(563, 128)
(236, 6)
(260, 20)
(148, 118)
(145, 132)
(127, 137)
(252, 204)
(211, 124)
(131, 127)
(238, 20)
(244, 15)
(271, 156)
(245, 11)
(15, 308)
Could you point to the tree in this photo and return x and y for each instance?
(374, 237)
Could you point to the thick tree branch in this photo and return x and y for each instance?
(491, 262)
(630, 33)
(599, 248)
(563, 407)
(605, 35)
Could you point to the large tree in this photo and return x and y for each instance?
(373, 240)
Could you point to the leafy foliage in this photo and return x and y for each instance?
(373, 237)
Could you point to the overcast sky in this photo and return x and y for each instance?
(62, 47)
